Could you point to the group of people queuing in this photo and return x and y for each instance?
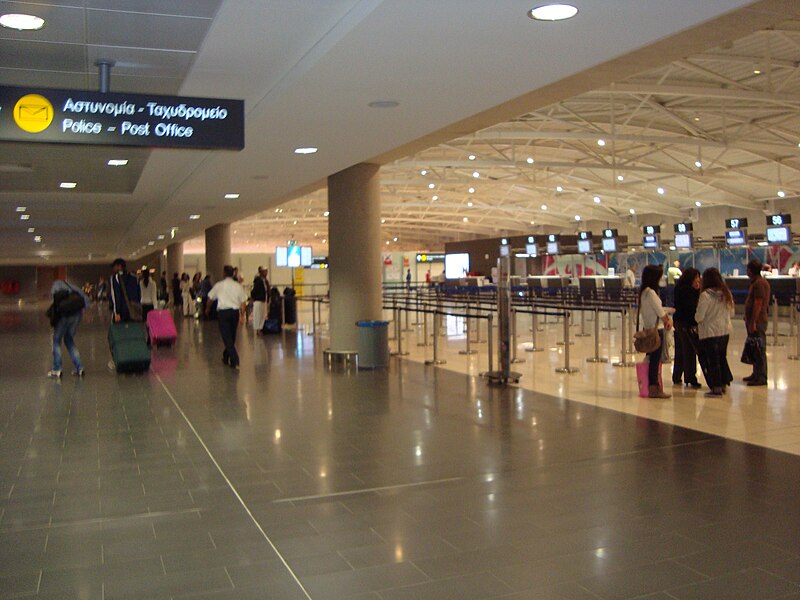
(701, 319)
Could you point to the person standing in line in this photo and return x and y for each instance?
(120, 278)
(186, 295)
(673, 274)
(714, 312)
(231, 304)
(408, 279)
(687, 293)
(756, 318)
(149, 293)
(65, 328)
(259, 295)
(629, 282)
(652, 314)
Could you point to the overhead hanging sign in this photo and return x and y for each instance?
(116, 119)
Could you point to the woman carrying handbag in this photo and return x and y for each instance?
(714, 311)
(654, 319)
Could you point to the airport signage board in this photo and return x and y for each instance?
(430, 258)
(57, 116)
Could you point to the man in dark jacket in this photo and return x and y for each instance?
(119, 305)
(259, 297)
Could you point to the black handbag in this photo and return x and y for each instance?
(753, 346)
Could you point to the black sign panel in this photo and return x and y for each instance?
(111, 119)
(776, 220)
(651, 229)
(736, 223)
(609, 233)
(584, 235)
(430, 258)
(683, 227)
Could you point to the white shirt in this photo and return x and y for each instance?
(149, 293)
(713, 315)
(630, 279)
(229, 294)
(793, 272)
(651, 310)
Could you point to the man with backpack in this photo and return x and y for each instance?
(65, 314)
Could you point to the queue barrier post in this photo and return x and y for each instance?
(583, 332)
(399, 333)
(597, 358)
(775, 342)
(566, 368)
(424, 342)
(534, 329)
(514, 358)
(490, 318)
(468, 351)
(631, 326)
(395, 316)
(623, 362)
(794, 311)
(436, 360)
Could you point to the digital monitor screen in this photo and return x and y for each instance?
(736, 223)
(456, 266)
(504, 250)
(778, 235)
(735, 237)
(683, 240)
(293, 257)
(532, 250)
(609, 244)
(280, 256)
(609, 233)
(683, 227)
(777, 220)
(552, 247)
(306, 257)
(650, 241)
(584, 246)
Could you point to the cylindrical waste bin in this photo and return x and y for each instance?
(373, 344)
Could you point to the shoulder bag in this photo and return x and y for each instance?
(134, 308)
(646, 340)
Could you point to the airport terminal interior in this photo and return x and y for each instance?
(439, 397)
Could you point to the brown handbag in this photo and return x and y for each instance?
(646, 340)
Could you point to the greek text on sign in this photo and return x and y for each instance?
(84, 117)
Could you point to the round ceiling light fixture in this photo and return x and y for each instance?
(21, 22)
(306, 150)
(552, 12)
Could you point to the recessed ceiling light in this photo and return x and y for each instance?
(117, 162)
(471, 157)
(435, 198)
(533, 222)
(698, 204)
(781, 194)
(601, 142)
(387, 242)
(384, 104)
(308, 150)
(68, 185)
(22, 208)
(661, 190)
(632, 211)
(324, 241)
(543, 207)
(465, 219)
(559, 188)
(194, 217)
(394, 239)
(231, 196)
(469, 204)
(162, 236)
(596, 199)
(31, 229)
(530, 160)
(37, 238)
(756, 71)
(552, 12)
(620, 178)
(475, 174)
(423, 172)
(698, 164)
(431, 186)
(21, 22)
(327, 213)
(24, 217)
(151, 243)
(382, 222)
(577, 217)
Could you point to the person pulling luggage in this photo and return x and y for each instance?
(65, 315)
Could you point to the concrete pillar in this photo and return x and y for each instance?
(174, 260)
(354, 235)
(218, 250)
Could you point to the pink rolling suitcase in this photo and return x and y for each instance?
(161, 328)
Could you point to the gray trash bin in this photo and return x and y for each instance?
(373, 344)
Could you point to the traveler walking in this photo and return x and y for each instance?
(652, 314)
(186, 295)
(67, 309)
(756, 318)
(231, 302)
(259, 295)
(125, 294)
(148, 290)
(687, 293)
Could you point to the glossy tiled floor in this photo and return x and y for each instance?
(286, 481)
(765, 416)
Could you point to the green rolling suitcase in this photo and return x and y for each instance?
(128, 342)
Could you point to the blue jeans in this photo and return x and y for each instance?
(65, 331)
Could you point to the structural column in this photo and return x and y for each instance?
(174, 260)
(218, 250)
(354, 236)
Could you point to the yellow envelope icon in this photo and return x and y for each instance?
(33, 113)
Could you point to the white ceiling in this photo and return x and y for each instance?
(307, 70)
